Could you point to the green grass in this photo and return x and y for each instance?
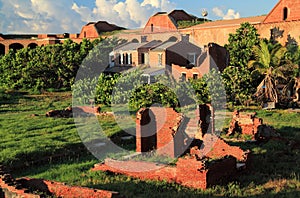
(23, 138)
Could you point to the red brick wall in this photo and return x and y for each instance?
(89, 31)
(26, 42)
(276, 15)
(290, 29)
(191, 172)
(178, 70)
(162, 123)
(160, 23)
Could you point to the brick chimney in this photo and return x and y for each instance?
(185, 37)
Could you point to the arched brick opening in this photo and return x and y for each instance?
(32, 45)
(16, 46)
(135, 41)
(2, 49)
(146, 131)
(285, 13)
(172, 39)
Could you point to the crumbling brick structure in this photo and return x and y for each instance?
(28, 188)
(166, 130)
(195, 170)
(214, 147)
(244, 123)
(249, 124)
(170, 133)
(158, 128)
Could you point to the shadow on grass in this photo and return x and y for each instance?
(42, 157)
(274, 163)
(290, 132)
(11, 97)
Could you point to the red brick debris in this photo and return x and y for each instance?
(249, 124)
(189, 171)
(27, 188)
(209, 161)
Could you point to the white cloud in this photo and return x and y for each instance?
(231, 14)
(48, 16)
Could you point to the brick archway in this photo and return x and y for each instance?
(16, 46)
(32, 45)
(146, 131)
(2, 49)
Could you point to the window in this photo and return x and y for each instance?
(84, 34)
(124, 59)
(191, 58)
(130, 59)
(159, 59)
(285, 13)
(142, 58)
(183, 76)
(195, 76)
(152, 28)
(121, 59)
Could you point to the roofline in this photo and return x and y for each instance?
(272, 10)
(150, 42)
(163, 44)
(224, 25)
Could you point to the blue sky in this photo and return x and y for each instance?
(48, 16)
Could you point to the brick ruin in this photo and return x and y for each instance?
(204, 159)
(249, 124)
(246, 124)
(170, 133)
(34, 188)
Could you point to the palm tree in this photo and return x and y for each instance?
(268, 63)
(293, 61)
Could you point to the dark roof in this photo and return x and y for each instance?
(153, 71)
(160, 13)
(181, 15)
(117, 69)
(104, 26)
(129, 46)
(151, 44)
(164, 46)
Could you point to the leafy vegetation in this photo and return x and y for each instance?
(186, 24)
(240, 45)
(51, 66)
(258, 67)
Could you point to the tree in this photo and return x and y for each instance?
(268, 62)
(238, 84)
(241, 44)
(293, 61)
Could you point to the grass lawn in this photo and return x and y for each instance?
(25, 138)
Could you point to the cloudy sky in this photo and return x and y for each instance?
(60, 16)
